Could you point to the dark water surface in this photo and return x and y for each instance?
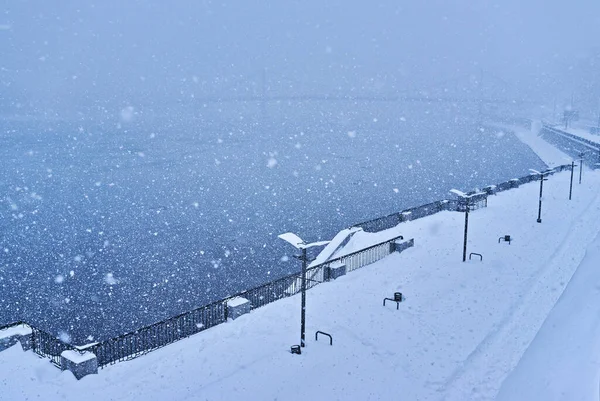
(107, 228)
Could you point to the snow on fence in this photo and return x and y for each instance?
(144, 340)
(573, 145)
(149, 338)
(392, 220)
(42, 343)
(157, 335)
(47, 345)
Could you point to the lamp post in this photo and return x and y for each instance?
(466, 229)
(467, 200)
(581, 154)
(542, 179)
(298, 243)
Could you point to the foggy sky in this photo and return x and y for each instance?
(74, 51)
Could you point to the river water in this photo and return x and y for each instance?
(106, 227)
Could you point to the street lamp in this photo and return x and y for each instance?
(542, 179)
(573, 165)
(298, 243)
(467, 199)
(581, 154)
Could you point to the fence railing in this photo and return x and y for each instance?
(43, 343)
(48, 346)
(573, 145)
(11, 325)
(149, 338)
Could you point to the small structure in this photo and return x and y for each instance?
(79, 363)
(335, 270)
(514, 183)
(237, 307)
(505, 238)
(402, 245)
(397, 298)
(474, 199)
(490, 189)
(16, 334)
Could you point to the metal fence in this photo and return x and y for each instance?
(392, 220)
(573, 145)
(417, 212)
(144, 340)
(43, 343)
(147, 339)
(48, 346)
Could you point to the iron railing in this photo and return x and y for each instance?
(11, 325)
(157, 335)
(43, 343)
(48, 346)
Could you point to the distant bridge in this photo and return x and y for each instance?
(462, 89)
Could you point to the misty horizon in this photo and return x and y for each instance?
(73, 56)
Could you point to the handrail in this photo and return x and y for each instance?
(10, 325)
(325, 334)
(160, 333)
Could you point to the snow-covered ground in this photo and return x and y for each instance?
(462, 330)
(583, 133)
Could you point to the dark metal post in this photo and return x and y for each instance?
(539, 219)
(466, 229)
(303, 289)
(571, 185)
(580, 166)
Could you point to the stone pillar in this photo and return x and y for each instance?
(401, 245)
(406, 216)
(237, 307)
(16, 334)
(335, 270)
(80, 364)
(490, 190)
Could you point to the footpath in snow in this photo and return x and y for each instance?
(462, 330)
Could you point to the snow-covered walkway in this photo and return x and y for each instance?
(462, 329)
(563, 361)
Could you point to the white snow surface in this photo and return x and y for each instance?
(77, 357)
(582, 133)
(20, 330)
(520, 325)
(458, 335)
(548, 153)
(237, 301)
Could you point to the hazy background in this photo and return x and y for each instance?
(72, 55)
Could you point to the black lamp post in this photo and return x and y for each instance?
(542, 179)
(297, 242)
(580, 164)
(466, 229)
(571, 184)
(303, 302)
(467, 200)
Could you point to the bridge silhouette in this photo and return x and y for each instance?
(465, 88)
